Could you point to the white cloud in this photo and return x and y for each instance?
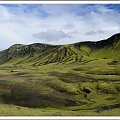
(56, 24)
(51, 35)
(4, 14)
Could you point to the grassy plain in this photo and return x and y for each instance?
(86, 88)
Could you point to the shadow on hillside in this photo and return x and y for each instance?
(27, 97)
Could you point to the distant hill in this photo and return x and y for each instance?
(109, 48)
(41, 54)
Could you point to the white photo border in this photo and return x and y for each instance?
(60, 117)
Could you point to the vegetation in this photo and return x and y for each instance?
(79, 79)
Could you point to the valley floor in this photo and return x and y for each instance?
(89, 88)
(13, 110)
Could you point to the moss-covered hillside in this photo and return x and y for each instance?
(81, 79)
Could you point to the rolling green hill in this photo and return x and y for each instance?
(80, 79)
(109, 48)
(41, 54)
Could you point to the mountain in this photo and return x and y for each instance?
(109, 48)
(82, 78)
(41, 54)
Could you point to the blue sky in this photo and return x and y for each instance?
(57, 24)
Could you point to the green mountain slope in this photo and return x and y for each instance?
(109, 48)
(41, 54)
(61, 80)
(19, 53)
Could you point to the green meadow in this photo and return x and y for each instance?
(70, 80)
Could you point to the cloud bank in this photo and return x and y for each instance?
(51, 35)
(57, 24)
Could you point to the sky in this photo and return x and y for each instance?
(57, 23)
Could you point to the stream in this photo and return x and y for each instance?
(98, 109)
(109, 107)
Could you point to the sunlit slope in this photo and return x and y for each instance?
(42, 54)
(109, 48)
(74, 79)
(19, 53)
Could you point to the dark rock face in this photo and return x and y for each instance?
(86, 90)
(108, 42)
(22, 50)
